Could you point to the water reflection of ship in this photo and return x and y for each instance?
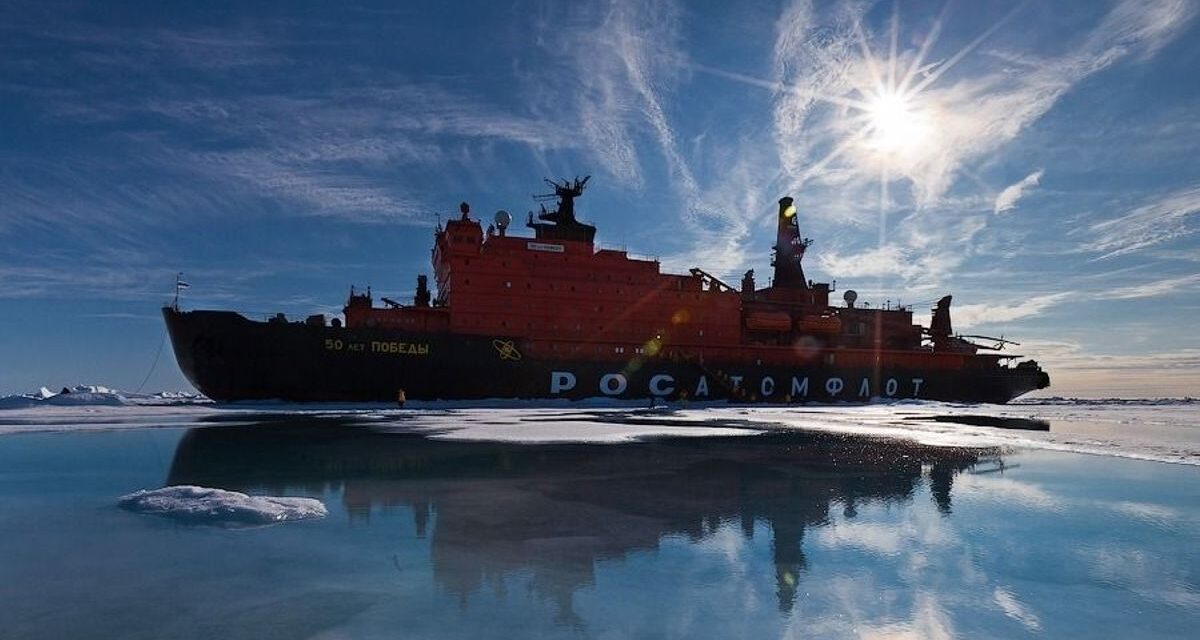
(555, 510)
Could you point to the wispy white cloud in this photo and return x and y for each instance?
(1007, 200)
(340, 163)
(971, 315)
(110, 281)
(1157, 222)
(1153, 289)
(320, 192)
(646, 41)
(812, 57)
(624, 55)
(1074, 355)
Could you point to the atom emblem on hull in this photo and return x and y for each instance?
(506, 349)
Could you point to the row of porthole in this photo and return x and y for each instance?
(529, 286)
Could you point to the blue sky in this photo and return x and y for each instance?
(1037, 160)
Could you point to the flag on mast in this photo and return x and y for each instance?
(179, 284)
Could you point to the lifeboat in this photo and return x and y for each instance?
(768, 321)
(820, 324)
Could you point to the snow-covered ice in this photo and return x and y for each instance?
(1164, 430)
(203, 505)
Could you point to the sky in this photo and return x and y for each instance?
(1037, 160)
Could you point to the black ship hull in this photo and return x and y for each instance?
(229, 358)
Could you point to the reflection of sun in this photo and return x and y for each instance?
(896, 125)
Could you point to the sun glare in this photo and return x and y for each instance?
(896, 125)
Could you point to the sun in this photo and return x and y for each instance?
(895, 124)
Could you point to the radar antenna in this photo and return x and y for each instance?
(503, 219)
(561, 224)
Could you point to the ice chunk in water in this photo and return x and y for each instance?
(204, 505)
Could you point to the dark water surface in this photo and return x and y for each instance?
(786, 534)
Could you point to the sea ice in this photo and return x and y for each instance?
(204, 505)
(1166, 430)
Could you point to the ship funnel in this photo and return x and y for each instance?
(940, 327)
(789, 248)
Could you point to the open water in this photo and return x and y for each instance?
(878, 522)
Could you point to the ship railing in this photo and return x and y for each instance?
(625, 250)
(292, 317)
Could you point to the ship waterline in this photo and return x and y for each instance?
(229, 357)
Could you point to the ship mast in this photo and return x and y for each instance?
(561, 224)
(789, 248)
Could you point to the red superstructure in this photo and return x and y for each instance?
(568, 300)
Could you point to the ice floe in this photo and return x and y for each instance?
(204, 505)
(535, 426)
(1166, 430)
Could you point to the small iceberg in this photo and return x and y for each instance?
(93, 395)
(204, 505)
(83, 395)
